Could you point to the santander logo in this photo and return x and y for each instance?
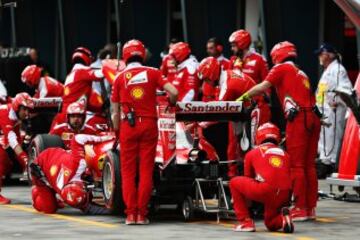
(208, 107)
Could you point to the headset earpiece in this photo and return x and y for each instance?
(219, 48)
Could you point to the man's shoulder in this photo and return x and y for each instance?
(257, 56)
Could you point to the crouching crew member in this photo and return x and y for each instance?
(267, 180)
(57, 171)
(11, 117)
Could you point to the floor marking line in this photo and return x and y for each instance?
(230, 224)
(61, 216)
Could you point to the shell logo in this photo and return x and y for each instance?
(66, 91)
(276, 162)
(137, 93)
(53, 170)
(128, 75)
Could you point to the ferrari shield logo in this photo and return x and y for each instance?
(128, 75)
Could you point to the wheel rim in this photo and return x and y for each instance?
(32, 157)
(107, 181)
(186, 209)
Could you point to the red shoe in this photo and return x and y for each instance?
(142, 220)
(4, 200)
(130, 219)
(311, 214)
(246, 225)
(298, 214)
(287, 226)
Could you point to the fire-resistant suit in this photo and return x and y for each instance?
(135, 90)
(267, 180)
(302, 129)
(63, 172)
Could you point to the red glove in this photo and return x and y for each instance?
(23, 159)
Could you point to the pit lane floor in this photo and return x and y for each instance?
(336, 220)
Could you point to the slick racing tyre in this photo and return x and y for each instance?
(39, 144)
(111, 179)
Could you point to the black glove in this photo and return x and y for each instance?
(292, 114)
(106, 105)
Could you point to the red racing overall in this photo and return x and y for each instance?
(135, 90)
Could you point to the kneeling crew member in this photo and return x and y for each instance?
(57, 171)
(266, 180)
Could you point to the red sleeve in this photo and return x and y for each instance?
(90, 74)
(163, 67)
(275, 75)
(248, 168)
(264, 69)
(56, 131)
(115, 93)
(159, 78)
(229, 94)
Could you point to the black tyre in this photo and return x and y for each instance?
(188, 209)
(39, 144)
(111, 179)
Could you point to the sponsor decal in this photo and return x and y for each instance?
(67, 136)
(53, 170)
(238, 63)
(47, 102)
(251, 62)
(66, 91)
(138, 78)
(66, 173)
(276, 162)
(166, 124)
(210, 107)
(128, 75)
(137, 93)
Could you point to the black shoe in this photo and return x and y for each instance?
(324, 170)
(288, 226)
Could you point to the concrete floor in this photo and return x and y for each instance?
(336, 220)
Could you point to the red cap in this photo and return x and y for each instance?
(267, 131)
(133, 48)
(76, 108)
(31, 75)
(83, 54)
(22, 99)
(242, 39)
(281, 51)
(180, 51)
(209, 68)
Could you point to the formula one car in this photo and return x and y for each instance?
(184, 157)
